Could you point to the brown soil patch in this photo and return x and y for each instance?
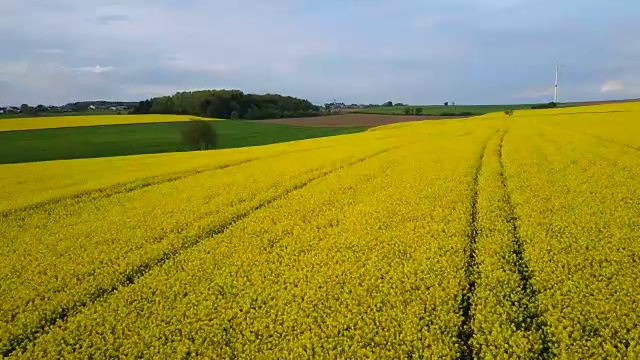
(353, 120)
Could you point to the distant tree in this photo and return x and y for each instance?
(210, 112)
(235, 115)
(418, 111)
(254, 113)
(199, 135)
(163, 105)
(509, 112)
(446, 103)
(550, 105)
(143, 107)
(203, 106)
(388, 104)
(407, 111)
(399, 104)
(26, 109)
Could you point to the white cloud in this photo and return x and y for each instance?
(112, 18)
(152, 90)
(50, 51)
(612, 86)
(32, 83)
(95, 70)
(185, 62)
(283, 67)
(307, 49)
(424, 23)
(9, 70)
(501, 5)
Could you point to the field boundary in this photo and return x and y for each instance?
(530, 317)
(538, 115)
(354, 120)
(20, 342)
(51, 118)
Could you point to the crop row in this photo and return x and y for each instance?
(79, 252)
(365, 262)
(579, 221)
(34, 184)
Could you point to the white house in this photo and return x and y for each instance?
(91, 107)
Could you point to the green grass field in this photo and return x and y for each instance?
(441, 110)
(132, 139)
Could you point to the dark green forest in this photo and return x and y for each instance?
(228, 104)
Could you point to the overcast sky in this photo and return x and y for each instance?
(364, 51)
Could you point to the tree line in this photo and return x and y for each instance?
(228, 104)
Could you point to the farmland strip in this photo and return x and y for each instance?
(22, 340)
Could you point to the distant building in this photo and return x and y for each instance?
(12, 109)
(91, 107)
(2, 110)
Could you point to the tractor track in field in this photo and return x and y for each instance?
(128, 187)
(20, 342)
(465, 329)
(609, 140)
(598, 137)
(530, 317)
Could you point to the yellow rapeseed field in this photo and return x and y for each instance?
(50, 122)
(493, 237)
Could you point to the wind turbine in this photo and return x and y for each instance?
(555, 89)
